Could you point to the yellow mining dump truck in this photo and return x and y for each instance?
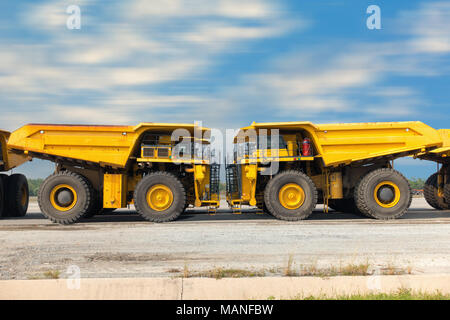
(287, 168)
(161, 168)
(437, 187)
(14, 191)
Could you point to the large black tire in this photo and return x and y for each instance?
(2, 197)
(275, 187)
(97, 206)
(447, 193)
(95, 209)
(65, 207)
(432, 196)
(172, 196)
(96, 203)
(386, 203)
(346, 206)
(17, 195)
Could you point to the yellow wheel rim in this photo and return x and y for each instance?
(56, 202)
(159, 197)
(387, 203)
(292, 196)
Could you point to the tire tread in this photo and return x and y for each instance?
(361, 189)
(85, 184)
(268, 191)
(168, 218)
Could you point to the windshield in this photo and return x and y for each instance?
(269, 142)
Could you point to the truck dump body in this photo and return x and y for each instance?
(442, 154)
(9, 160)
(342, 144)
(100, 144)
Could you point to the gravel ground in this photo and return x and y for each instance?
(123, 245)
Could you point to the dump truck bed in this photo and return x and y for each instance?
(441, 154)
(8, 159)
(105, 145)
(336, 144)
(343, 144)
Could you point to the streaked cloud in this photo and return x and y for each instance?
(342, 79)
(127, 49)
(152, 59)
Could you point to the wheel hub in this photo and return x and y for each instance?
(159, 197)
(291, 196)
(386, 194)
(64, 197)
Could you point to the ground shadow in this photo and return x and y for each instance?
(192, 215)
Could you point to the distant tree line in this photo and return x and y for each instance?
(417, 183)
(33, 185)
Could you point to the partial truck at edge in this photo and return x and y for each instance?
(437, 186)
(14, 192)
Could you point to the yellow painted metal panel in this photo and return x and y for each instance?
(10, 160)
(248, 179)
(445, 149)
(114, 191)
(348, 142)
(107, 145)
(336, 186)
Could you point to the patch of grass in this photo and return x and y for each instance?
(126, 257)
(343, 270)
(219, 273)
(289, 271)
(52, 274)
(186, 273)
(354, 269)
(313, 271)
(49, 274)
(391, 270)
(401, 294)
(273, 270)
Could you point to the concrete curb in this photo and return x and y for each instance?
(223, 289)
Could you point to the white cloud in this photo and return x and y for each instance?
(313, 83)
(127, 48)
(145, 44)
(163, 9)
(430, 28)
(84, 114)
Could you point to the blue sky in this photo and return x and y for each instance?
(225, 62)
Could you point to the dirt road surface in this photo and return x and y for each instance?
(122, 244)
